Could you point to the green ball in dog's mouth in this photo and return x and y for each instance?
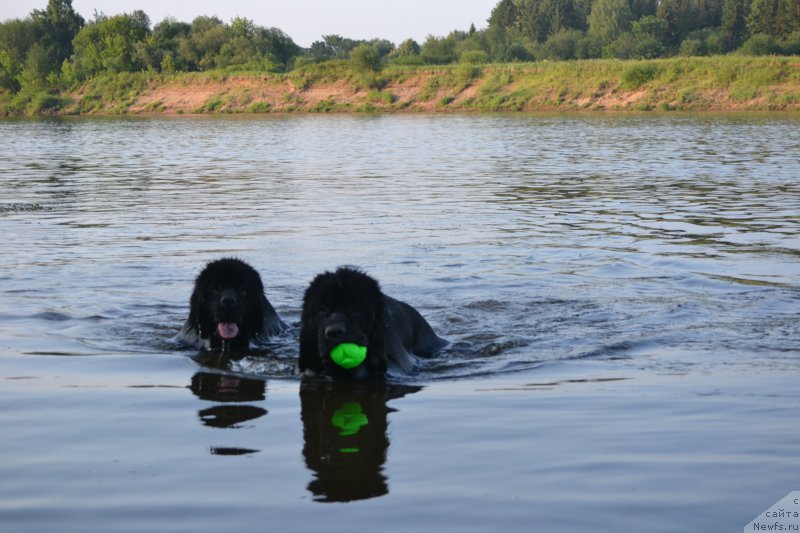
(349, 355)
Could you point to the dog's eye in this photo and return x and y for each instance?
(322, 310)
(216, 287)
(243, 291)
(356, 311)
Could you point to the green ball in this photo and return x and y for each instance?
(349, 355)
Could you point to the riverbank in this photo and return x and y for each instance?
(724, 83)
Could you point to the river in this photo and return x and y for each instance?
(621, 293)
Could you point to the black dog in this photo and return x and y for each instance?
(347, 306)
(228, 308)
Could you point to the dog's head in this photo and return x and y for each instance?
(228, 303)
(345, 306)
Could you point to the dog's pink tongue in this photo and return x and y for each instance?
(227, 330)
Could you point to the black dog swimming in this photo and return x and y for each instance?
(228, 308)
(347, 306)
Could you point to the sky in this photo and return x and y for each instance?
(305, 21)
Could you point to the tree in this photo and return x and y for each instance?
(642, 8)
(16, 38)
(198, 50)
(734, 22)
(109, 44)
(676, 15)
(776, 18)
(504, 15)
(332, 47)
(609, 19)
(162, 43)
(532, 22)
(650, 34)
(564, 44)
(365, 58)
(409, 47)
(38, 64)
(442, 50)
(56, 26)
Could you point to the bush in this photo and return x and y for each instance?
(717, 43)
(589, 47)
(259, 107)
(623, 47)
(563, 44)
(467, 72)
(414, 61)
(637, 75)
(649, 47)
(474, 57)
(791, 45)
(365, 58)
(692, 47)
(45, 102)
(759, 44)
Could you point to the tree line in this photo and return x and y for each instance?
(56, 48)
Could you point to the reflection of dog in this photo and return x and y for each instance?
(345, 440)
(347, 306)
(228, 389)
(228, 308)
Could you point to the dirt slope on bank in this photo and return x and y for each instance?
(716, 84)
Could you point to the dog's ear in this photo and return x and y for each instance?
(269, 323)
(255, 312)
(377, 361)
(196, 310)
(309, 347)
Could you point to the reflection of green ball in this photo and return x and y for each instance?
(349, 418)
(349, 355)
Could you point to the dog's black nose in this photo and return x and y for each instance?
(335, 330)
(228, 299)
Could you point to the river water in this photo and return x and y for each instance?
(621, 293)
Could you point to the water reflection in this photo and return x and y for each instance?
(229, 390)
(345, 438)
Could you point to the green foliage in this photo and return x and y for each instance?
(332, 47)
(760, 44)
(381, 97)
(33, 76)
(407, 48)
(733, 23)
(107, 44)
(638, 74)
(16, 38)
(776, 18)
(791, 45)
(365, 58)
(495, 82)
(465, 73)
(651, 35)
(56, 26)
(44, 102)
(692, 47)
(564, 44)
(215, 104)
(609, 19)
(623, 47)
(442, 50)
(474, 57)
(55, 49)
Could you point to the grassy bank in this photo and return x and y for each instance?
(723, 83)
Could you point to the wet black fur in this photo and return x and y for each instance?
(246, 305)
(348, 306)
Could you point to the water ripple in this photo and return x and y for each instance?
(524, 239)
